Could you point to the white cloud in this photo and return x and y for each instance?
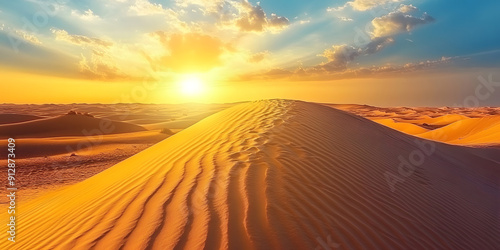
(144, 8)
(407, 8)
(339, 56)
(100, 66)
(63, 35)
(332, 9)
(253, 18)
(322, 73)
(397, 22)
(27, 37)
(345, 19)
(210, 5)
(87, 15)
(363, 5)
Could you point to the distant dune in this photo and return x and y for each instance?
(14, 118)
(476, 131)
(461, 126)
(66, 125)
(277, 175)
(42, 147)
(408, 128)
(441, 120)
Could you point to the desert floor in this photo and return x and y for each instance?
(66, 149)
(274, 174)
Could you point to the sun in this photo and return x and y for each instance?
(192, 85)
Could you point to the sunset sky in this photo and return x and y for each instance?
(378, 52)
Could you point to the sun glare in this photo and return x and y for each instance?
(192, 85)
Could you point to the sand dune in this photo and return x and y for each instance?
(66, 125)
(180, 123)
(440, 120)
(461, 126)
(135, 113)
(276, 175)
(41, 147)
(15, 118)
(475, 131)
(407, 128)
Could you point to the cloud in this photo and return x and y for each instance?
(377, 44)
(190, 52)
(101, 66)
(258, 57)
(27, 37)
(333, 9)
(99, 62)
(278, 21)
(345, 19)
(397, 22)
(20, 35)
(407, 8)
(210, 5)
(63, 35)
(339, 56)
(362, 5)
(323, 74)
(253, 18)
(240, 15)
(305, 21)
(87, 15)
(144, 8)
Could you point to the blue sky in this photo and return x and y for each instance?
(268, 40)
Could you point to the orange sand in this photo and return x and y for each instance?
(275, 175)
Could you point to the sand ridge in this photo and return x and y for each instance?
(275, 174)
(66, 125)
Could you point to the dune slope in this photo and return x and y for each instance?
(472, 131)
(276, 175)
(14, 118)
(66, 125)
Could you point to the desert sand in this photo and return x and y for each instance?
(15, 118)
(56, 149)
(278, 174)
(475, 127)
(66, 125)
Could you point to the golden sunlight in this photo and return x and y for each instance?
(192, 85)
